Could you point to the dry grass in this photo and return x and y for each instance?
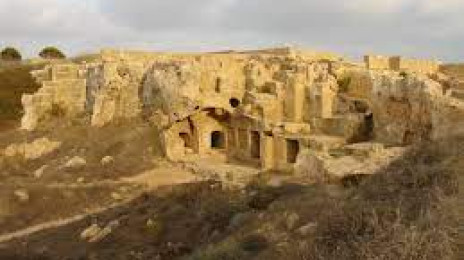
(407, 211)
(404, 212)
(133, 147)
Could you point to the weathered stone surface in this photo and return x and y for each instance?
(307, 229)
(95, 233)
(40, 172)
(264, 108)
(405, 108)
(33, 150)
(311, 166)
(107, 160)
(62, 95)
(75, 163)
(22, 195)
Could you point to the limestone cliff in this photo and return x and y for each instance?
(406, 107)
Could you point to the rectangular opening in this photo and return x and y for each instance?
(255, 145)
(218, 140)
(187, 140)
(293, 148)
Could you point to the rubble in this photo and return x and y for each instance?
(95, 233)
(75, 162)
(32, 150)
(107, 160)
(40, 171)
(262, 108)
(22, 195)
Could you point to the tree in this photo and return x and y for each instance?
(10, 54)
(51, 52)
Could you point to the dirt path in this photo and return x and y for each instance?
(148, 180)
(53, 224)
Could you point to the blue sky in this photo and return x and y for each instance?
(416, 28)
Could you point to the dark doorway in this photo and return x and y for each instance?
(365, 130)
(218, 85)
(369, 125)
(218, 140)
(234, 102)
(186, 138)
(293, 148)
(255, 145)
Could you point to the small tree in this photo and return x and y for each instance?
(10, 54)
(51, 52)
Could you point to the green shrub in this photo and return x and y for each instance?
(344, 84)
(51, 52)
(10, 54)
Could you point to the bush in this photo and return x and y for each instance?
(10, 54)
(344, 84)
(51, 52)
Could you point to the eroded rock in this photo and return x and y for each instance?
(75, 163)
(22, 195)
(32, 150)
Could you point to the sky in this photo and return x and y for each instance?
(413, 28)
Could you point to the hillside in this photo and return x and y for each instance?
(410, 210)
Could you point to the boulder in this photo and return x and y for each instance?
(307, 229)
(40, 172)
(107, 160)
(95, 233)
(22, 195)
(310, 166)
(75, 163)
(34, 150)
(90, 232)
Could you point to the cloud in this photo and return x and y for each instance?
(406, 27)
(31, 24)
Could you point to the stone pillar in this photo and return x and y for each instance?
(267, 152)
(294, 100)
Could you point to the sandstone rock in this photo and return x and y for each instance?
(107, 160)
(307, 229)
(75, 163)
(30, 151)
(285, 97)
(95, 233)
(90, 232)
(63, 94)
(22, 195)
(40, 172)
(310, 166)
(116, 196)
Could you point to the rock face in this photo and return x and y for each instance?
(117, 95)
(405, 107)
(265, 108)
(33, 150)
(63, 94)
(311, 166)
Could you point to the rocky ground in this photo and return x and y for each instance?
(79, 197)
